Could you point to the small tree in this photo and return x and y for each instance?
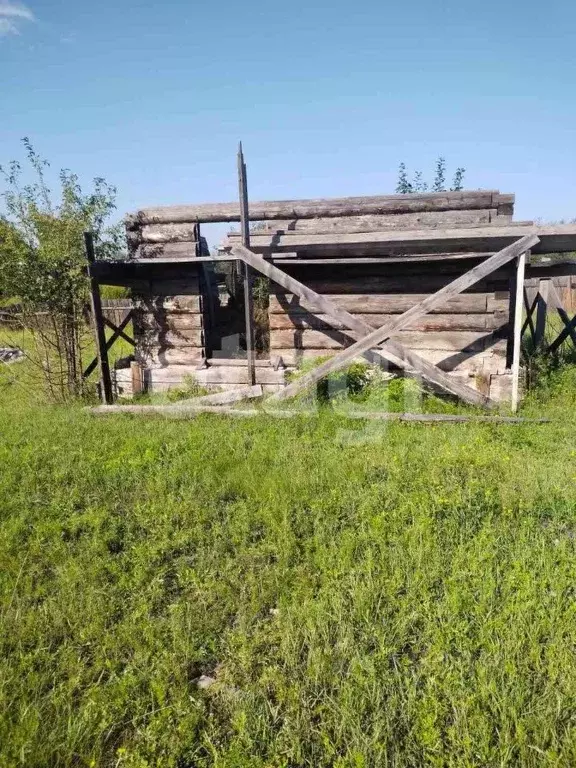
(418, 184)
(42, 265)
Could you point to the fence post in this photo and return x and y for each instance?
(98, 319)
(541, 312)
(517, 331)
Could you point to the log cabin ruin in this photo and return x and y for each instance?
(338, 270)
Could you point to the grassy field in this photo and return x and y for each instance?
(388, 596)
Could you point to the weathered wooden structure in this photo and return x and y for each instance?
(430, 283)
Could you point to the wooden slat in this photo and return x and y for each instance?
(541, 312)
(192, 411)
(166, 250)
(374, 223)
(182, 304)
(393, 351)
(386, 303)
(552, 239)
(438, 322)
(447, 340)
(518, 310)
(403, 284)
(168, 233)
(183, 337)
(383, 333)
(315, 208)
(172, 321)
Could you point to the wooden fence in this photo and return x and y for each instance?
(114, 310)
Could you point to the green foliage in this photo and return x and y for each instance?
(418, 184)
(188, 389)
(42, 262)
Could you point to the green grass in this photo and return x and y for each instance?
(364, 594)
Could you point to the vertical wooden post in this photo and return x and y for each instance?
(246, 270)
(98, 319)
(137, 375)
(541, 312)
(517, 346)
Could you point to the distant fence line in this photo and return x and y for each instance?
(114, 310)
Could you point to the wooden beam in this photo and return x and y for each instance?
(541, 312)
(118, 331)
(551, 239)
(98, 321)
(190, 412)
(383, 333)
(519, 307)
(315, 208)
(393, 351)
(246, 273)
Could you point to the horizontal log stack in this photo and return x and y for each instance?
(379, 264)
(375, 256)
(171, 298)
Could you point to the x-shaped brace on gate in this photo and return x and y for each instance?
(392, 351)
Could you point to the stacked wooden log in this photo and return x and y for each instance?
(379, 264)
(376, 256)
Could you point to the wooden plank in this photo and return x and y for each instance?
(380, 223)
(192, 411)
(491, 360)
(437, 258)
(314, 208)
(172, 251)
(541, 312)
(438, 322)
(98, 321)
(117, 332)
(158, 305)
(387, 303)
(552, 239)
(162, 321)
(137, 376)
(405, 284)
(383, 333)
(519, 307)
(168, 233)
(393, 352)
(335, 339)
(167, 356)
(183, 337)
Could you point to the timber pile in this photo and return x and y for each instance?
(376, 264)
(372, 257)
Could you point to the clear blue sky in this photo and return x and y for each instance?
(328, 97)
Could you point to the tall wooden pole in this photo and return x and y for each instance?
(98, 319)
(517, 345)
(246, 271)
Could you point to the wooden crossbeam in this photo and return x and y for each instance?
(118, 332)
(530, 307)
(383, 333)
(186, 411)
(393, 351)
(568, 330)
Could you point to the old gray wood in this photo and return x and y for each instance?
(551, 239)
(392, 352)
(383, 333)
(316, 208)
